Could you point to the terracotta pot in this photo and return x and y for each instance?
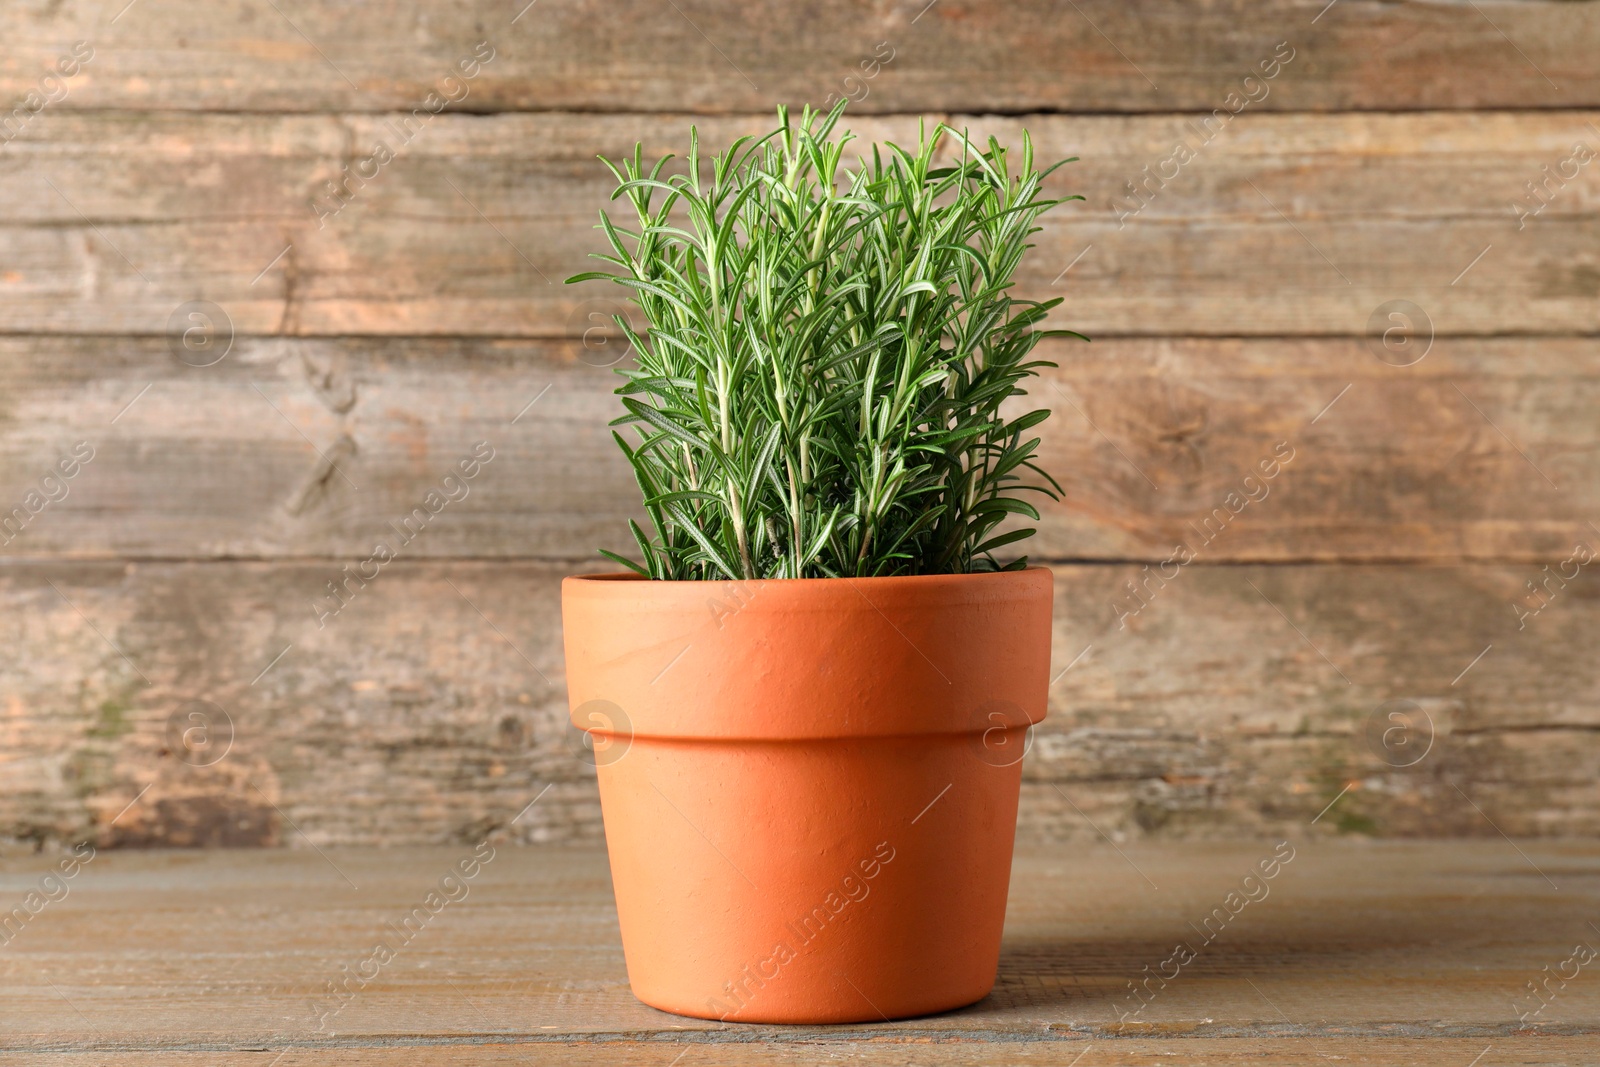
(809, 786)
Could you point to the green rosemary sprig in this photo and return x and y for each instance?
(818, 389)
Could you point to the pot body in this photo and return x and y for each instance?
(809, 786)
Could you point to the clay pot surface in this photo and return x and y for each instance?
(809, 786)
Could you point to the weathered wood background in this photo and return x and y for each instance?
(1242, 307)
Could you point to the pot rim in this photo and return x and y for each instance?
(809, 658)
(963, 577)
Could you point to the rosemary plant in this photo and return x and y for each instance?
(818, 390)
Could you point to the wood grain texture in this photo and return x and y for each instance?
(1375, 953)
(585, 55)
(872, 1050)
(1238, 307)
(431, 708)
(1149, 436)
(1281, 225)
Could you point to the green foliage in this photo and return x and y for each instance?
(818, 391)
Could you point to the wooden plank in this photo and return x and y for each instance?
(582, 55)
(431, 707)
(1365, 951)
(873, 1050)
(1461, 455)
(1281, 225)
(1149, 436)
(292, 447)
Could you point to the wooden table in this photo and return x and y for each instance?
(1360, 952)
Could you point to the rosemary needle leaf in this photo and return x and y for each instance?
(827, 349)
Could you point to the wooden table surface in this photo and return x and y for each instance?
(1360, 952)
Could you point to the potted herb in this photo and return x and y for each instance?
(807, 701)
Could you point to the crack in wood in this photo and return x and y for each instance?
(332, 383)
(289, 320)
(319, 485)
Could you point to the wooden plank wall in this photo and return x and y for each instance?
(1239, 308)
